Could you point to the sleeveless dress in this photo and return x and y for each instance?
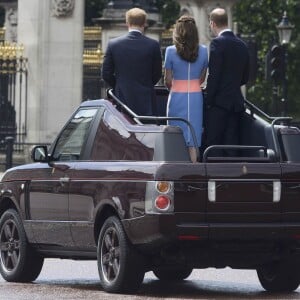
(185, 97)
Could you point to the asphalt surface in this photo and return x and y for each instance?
(67, 279)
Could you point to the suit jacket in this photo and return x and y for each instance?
(228, 71)
(132, 66)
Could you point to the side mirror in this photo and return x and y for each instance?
(39, 154)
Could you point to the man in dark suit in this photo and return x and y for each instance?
(228, 71)
(133, 65)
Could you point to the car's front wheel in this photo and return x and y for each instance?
(279, 276)
(120, 267)
(18, 261)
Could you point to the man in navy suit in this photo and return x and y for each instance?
(228, 71)
(133, 65)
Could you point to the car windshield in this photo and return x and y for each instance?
(73, 137)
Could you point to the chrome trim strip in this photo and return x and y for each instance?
(242, 180)
(94, 180)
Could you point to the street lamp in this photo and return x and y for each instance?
(284, 29)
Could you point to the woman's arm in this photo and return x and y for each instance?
(168, 78)
(203, 76)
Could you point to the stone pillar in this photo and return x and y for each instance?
(52, 34)
(200, 10)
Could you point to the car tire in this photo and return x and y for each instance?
(121, 268)
(279, 276)
(18, 261)
(172, 274)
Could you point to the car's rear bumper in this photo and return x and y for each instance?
(165, 227)
(213, 245)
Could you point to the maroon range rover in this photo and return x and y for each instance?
(124, 193)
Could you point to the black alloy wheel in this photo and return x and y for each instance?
(10, 245)
(18, 262)
(120, 267)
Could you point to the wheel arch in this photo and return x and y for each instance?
(103, 213)
(7, 203)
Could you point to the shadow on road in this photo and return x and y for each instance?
(187, 289)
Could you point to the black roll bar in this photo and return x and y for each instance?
(138, 118)
(275, 137)
(233, 147)
(274, 121)
(254, 109)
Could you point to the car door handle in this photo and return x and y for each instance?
(276, 191)
(211, 189)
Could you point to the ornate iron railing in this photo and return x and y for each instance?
(13, 92)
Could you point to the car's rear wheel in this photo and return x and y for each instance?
(121, 268)
(18, 261)
(279, 276)
(172, 274)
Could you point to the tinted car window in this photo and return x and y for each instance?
(73, 137)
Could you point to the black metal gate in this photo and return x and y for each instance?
(13, 94)
(92, 60)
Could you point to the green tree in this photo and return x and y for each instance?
(170, 11)
(260, 18)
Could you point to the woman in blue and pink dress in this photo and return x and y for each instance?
(185, 70)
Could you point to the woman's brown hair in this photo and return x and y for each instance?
(185, 38)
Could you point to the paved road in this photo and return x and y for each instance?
(64, 279)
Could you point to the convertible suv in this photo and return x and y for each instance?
(121, 189)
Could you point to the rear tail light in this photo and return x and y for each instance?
(159, 197)
(162, 202)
